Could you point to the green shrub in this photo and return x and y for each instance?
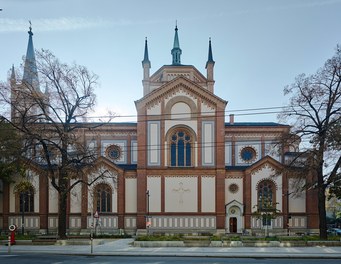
(159, 238)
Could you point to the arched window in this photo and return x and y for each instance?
(266, 195)
(103, 198)
(266, 200)
(26, 200)
(181, 144)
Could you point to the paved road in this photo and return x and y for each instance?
(122, 247)
(79, 259)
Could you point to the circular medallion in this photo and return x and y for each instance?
(233, 188)
(113, 152)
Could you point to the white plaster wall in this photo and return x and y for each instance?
(190, 123)
(265, 173)
(238, 196)
(53, 199)
(272, 150)
(154, 187)
(180, 111)
(208, 143)
(33, 178)
(154, 110)
(153, 143)
(76, 198)
(131, 195)
(111, 180)
(242, 144)
(207, 194)
(228, 153)
(181, 194)
(134, 151)
(121, 143)
(207, 110)
(297, 202)
(12, 201)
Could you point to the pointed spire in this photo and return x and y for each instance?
(210, 68)
(12, 72)
(210, 55)
(176, 51)
(30, 68)
(146, 66)
(146, 57)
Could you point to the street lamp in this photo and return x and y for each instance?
(287, 209)
(147, 216)
(22, 213)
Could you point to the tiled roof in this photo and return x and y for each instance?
(254, 124)
(240, 168)
(127, 166)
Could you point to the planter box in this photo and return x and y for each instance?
(158, 244)
(216, 244)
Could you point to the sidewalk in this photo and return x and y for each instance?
(122, 247)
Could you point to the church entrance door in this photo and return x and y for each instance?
(233, 224)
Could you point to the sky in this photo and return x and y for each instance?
(259, 46)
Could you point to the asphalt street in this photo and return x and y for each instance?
(123, 247)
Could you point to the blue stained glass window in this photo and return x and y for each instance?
(266, 201)
(180, 149)
(181, 153)
(248, 154)
(188, 154)
(173, 154)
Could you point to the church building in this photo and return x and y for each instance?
(183, 167)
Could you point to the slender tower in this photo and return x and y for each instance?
(176, 51)
(210, 67)
(30, 78)
(146, 70)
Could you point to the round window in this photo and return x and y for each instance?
(248, 154)
(113, 152)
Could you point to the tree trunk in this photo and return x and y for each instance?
(322, 212)
(63, 194)
(321, 200)
(62, 215)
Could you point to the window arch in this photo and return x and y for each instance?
(181, 148)
(103, 195)
(266, 195)
(26, 200)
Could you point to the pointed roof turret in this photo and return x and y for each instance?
(176, 51)
(30, 68)
(12, 72)
(146, 57)
(210, 55)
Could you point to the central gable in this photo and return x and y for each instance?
(180, 87)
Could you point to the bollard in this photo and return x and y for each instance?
(91, 244)
(9, 244)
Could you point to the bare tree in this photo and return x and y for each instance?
(50, 123)
(10, 152)
(314, 110)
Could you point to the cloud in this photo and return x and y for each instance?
(58, 24)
